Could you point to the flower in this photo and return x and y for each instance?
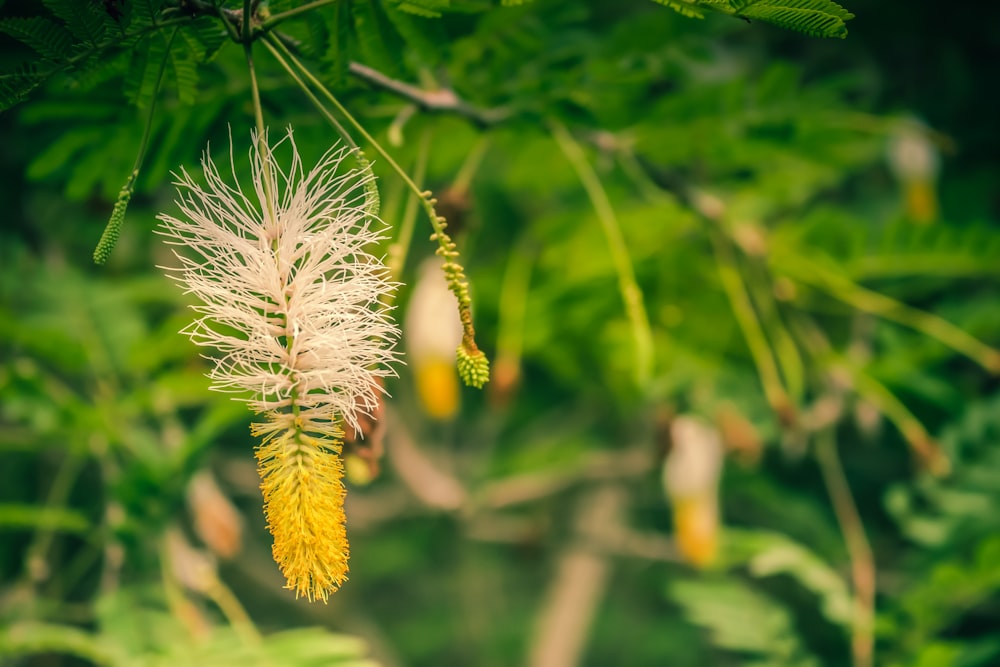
(433, 332)
(293, 302)
(690, 478)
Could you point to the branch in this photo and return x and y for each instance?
(858, 548)
(579, 585)
(443, 100)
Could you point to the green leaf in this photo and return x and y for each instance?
(141, 80)
(819, 18)
(374, 39)
(16, 85)
(184, 71)
(21, 517)
(48, 38)
(26, 639)
(684, 7)
(767, 554)
(741, 620)
(86, 20)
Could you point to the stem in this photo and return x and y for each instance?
(247, 15)
(895, 411)
(443, 100)
(234, 612)
(144, 142)
(858, 548)
(401, 247)
(262, 147)
(786, 352)
(325, 92)
(341, 130)
(627, 285)
(753, 332)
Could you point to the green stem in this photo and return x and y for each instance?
(247, 15)
(109, 237)
(753, 332)
(424, 195)
(629, 288)
(262, 145)
(399, 250)
(876, 393)
(144, 142)
(341, 130)
(858, 548)
(786, 352)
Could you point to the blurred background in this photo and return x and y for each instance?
(740, 288)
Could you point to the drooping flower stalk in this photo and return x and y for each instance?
(291, 299)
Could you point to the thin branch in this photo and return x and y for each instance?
(400, 248)
(443, 100)
(579, 585)
(923, 445)
(753, 332)
(858, 549)
(262, 146)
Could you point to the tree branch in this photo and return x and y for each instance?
(443, 100)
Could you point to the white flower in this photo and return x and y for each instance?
(292, 300)
(290, 296)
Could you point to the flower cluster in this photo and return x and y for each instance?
(292, 301)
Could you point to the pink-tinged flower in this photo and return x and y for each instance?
(292, 300)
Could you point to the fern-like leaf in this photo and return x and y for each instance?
(687, 8)
(373, 37)
(203, 38)
(49, 39)
(15, 86)
(421, 36)
(184, 72)
(140, 82)
(819, 18)
(86, 20)
(424, 8)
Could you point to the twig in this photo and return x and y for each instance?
(858, 549)
(441, 100)
(753, 332)
(578, 586)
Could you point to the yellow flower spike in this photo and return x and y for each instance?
(302, 484)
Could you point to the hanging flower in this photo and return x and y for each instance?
(691, 475)
(292, 301)
(433, 332)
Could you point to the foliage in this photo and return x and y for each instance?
(645, 215)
